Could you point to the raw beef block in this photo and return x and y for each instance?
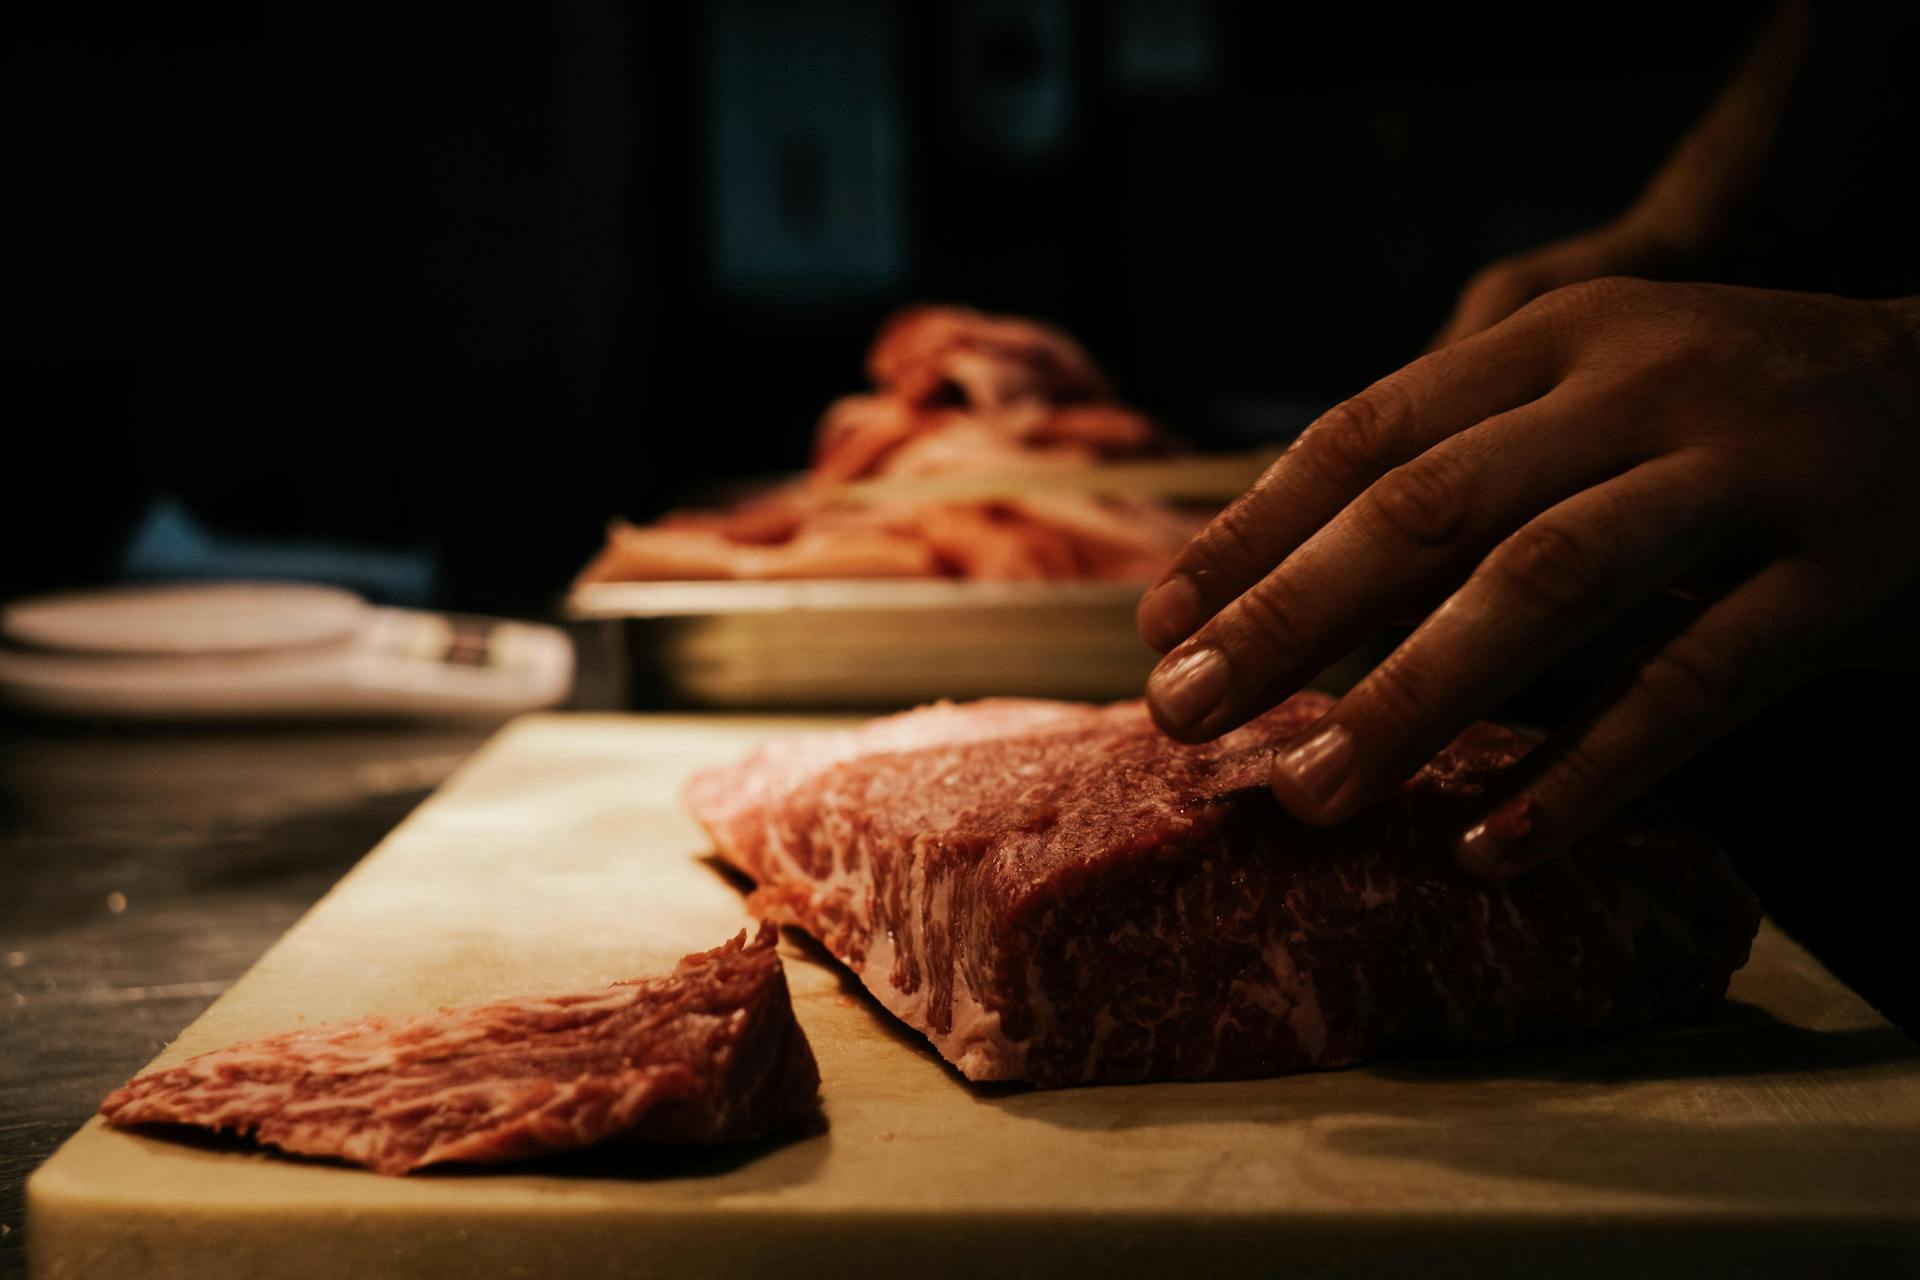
(706, 1054)
(1061, 894)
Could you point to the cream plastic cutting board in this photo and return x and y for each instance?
(1784, 1138)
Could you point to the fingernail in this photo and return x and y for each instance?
(1185, 689)
(1320, 764)
(1503, 841)
(1169, 613)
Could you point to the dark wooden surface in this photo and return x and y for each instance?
(142, 871)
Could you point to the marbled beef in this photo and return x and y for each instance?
(708, 1053)
(1061, 894)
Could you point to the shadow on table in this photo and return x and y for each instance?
(1739, 1040)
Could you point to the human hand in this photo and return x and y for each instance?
(1541, 479)
(1630, 246)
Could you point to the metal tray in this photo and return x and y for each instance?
(867, 643)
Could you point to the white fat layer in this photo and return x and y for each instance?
(976, 1043)
(1289, 996)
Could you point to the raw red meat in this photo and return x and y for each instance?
(1059, 893)
(957, 393)
(709, 1053)
(666, 554)
(928, 353)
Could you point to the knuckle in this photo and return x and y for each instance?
(1684, 682)
(1397, 694)
(1601, 294)
(1423, 502)
(1272, 616)
(1573, 312)
(1577, 773)
(1360, 437)
(1232, 540)
(1546, 564)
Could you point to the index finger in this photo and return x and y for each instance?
(1343, 452)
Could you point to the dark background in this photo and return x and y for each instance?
(461, 282)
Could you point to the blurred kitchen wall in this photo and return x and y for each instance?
(456, 283)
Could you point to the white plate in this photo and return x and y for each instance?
(190, 619)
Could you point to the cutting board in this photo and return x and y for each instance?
(1782, 1138)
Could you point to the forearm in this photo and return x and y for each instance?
(1716, 166)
